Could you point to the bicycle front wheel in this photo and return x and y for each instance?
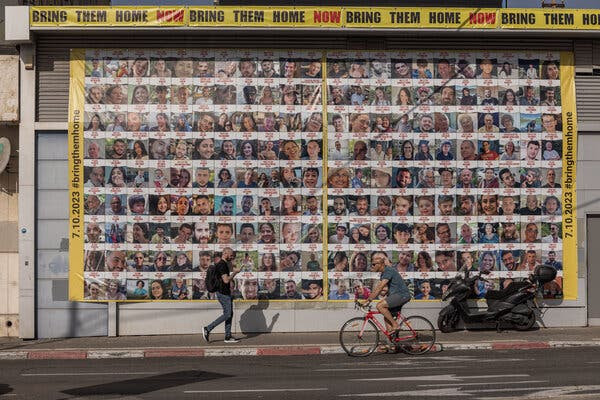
(417, 335)
(359, 337)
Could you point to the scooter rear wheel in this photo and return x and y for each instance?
(527, 325)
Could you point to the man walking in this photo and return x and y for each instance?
(226, 271)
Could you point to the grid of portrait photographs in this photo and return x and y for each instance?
(433, 161)
(191, 151)
(442, 160)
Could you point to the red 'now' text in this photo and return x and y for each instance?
(482, 18)
(327, 16)
(170, 15)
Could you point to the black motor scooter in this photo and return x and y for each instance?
(512, 304)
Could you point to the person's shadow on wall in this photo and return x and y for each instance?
(253, 321)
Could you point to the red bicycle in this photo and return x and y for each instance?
(359, 336)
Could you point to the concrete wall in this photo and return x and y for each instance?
(9, 88)
(9, 256)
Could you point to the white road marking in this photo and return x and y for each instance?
(590, 396)
(420, 393)
(429, 360)
(451, 378)
(92, 373)
(257, 390)
(367, 369)
(541, 392)
(563, 390)
(477, 383)
(547, 392)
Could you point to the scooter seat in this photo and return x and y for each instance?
(512, 288)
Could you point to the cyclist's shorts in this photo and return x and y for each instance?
(396, 301)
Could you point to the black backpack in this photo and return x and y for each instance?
(212, 280)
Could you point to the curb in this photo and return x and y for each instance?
(81, 354)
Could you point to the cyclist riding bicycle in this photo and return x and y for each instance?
(398, 293)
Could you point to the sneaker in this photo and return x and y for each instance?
(394, 335)
(205, 334)
(231, 339)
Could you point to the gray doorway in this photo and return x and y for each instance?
(593, 269)
(56, 316)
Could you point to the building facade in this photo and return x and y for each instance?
(46, 37)
(9, 121)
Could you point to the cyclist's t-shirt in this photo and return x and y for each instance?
(396, 284)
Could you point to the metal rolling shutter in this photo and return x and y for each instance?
(583, 57)
(53, 52)
(588, 102)
(52, 84)
(587, 84)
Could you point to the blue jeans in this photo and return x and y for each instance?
(227, 304)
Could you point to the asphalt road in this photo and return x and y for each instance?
(571, 373)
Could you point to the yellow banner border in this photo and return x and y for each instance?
(568, 182)
(76, 175)
(392, 18)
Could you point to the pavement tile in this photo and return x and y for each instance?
(174, 353)
(57, 355)
(520, 345)
(13, 355)
(287, 351)
(115, 354)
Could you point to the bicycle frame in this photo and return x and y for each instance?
(370, 315)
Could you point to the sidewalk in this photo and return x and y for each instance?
(275, 344)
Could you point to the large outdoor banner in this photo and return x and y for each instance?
(390, 18)
(311, 164)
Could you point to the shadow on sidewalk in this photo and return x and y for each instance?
(253, 321)
(4, 388)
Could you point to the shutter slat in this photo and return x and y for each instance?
(588, 99)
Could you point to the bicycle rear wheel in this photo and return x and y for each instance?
(417, 335)
(359, 337)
